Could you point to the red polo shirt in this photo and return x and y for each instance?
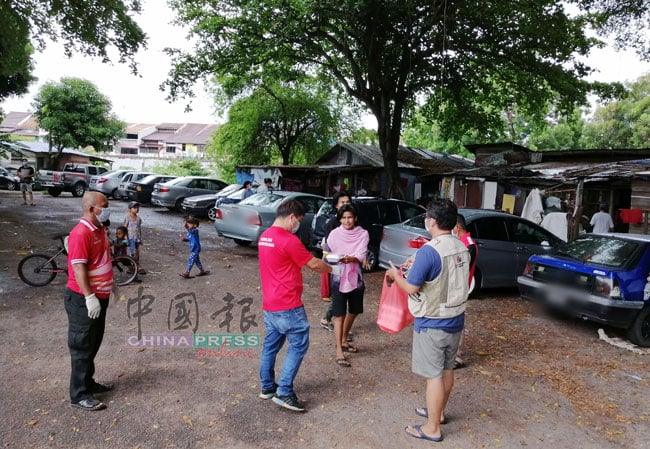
(88, 244)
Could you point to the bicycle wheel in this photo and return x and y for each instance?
(125, 270)
(37, 270)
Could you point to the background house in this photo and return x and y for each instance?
(359, 169)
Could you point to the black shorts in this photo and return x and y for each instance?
(350, 302)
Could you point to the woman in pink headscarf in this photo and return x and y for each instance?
(351, 243)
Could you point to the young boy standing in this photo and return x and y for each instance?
(192, 236)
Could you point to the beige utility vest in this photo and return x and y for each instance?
(446, 295)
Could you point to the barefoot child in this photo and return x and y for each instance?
(133, 224)
(192, 236)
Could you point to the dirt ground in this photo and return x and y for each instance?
(531, 381)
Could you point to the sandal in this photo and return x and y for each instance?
(203, 273)
(424, 412)
(343, 362)
(351, 349)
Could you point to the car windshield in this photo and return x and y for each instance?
(262, 199)
(602, 250)
(148, 179)
(232, 188)
(416, 222)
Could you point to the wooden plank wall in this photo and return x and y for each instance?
(640, 199)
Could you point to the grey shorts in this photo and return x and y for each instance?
(25, 187)
(434, 351)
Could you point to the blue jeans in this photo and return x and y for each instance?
(291, 325)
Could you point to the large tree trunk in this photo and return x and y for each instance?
(389, 126)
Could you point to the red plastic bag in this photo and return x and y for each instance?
(393, 315)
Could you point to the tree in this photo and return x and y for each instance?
(624, 123)
(91, 28)
(279, 122)
(624, 20)
(470, 59)
(75, 114)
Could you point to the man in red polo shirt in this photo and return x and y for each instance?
(90, 280)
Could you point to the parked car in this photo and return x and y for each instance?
(374, 213)
(172, 193)
(141, 190)
(74, 178)
(8, 181)
(126, 179)
(505, 242)
(204, 205)
(245, 221)
(108, 182)
(598, 277)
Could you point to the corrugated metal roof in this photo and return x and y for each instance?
(407, 157)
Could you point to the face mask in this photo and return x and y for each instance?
(104, 215)
(295, 228)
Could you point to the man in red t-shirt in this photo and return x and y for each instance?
(281, 256)
(90, 280)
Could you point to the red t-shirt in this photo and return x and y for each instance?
(282, 257)
(88, 244)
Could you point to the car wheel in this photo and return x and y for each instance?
(212, 213)
(372, 259)
(242, 242)
(78, 190)
(115, 195)
(53, 191)
(179, 205)
(12, 186)
(639, 333)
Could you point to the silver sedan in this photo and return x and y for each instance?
(245, 221)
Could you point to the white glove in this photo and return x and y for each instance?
(337, 269)
(92, 304)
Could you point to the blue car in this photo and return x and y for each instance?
(599, 277)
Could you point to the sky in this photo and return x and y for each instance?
(139, 99)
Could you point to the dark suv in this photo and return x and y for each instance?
(374, 214)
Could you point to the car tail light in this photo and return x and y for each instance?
(418, 242)
(254, 220)
(218, 215)
(528, 271)
(163, 190)
(102, 180)
(607, 287)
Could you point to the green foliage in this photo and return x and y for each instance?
(187, 167)
(626, 21)
(624, 123)
(91, 28)
(15, 53)
(471, 60)
(76, 115)
(279, 123)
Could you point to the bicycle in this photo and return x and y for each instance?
(38, 270)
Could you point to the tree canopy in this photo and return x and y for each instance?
(282, 123)
(76, 115)
(470, 60)
(91, 28)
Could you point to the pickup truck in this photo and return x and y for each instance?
(73, 178)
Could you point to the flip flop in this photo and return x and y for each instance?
(203, 273)
(421, 435)
(351, 349)
(343, 362)
(423, 412)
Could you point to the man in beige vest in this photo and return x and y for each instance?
(438, 289)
